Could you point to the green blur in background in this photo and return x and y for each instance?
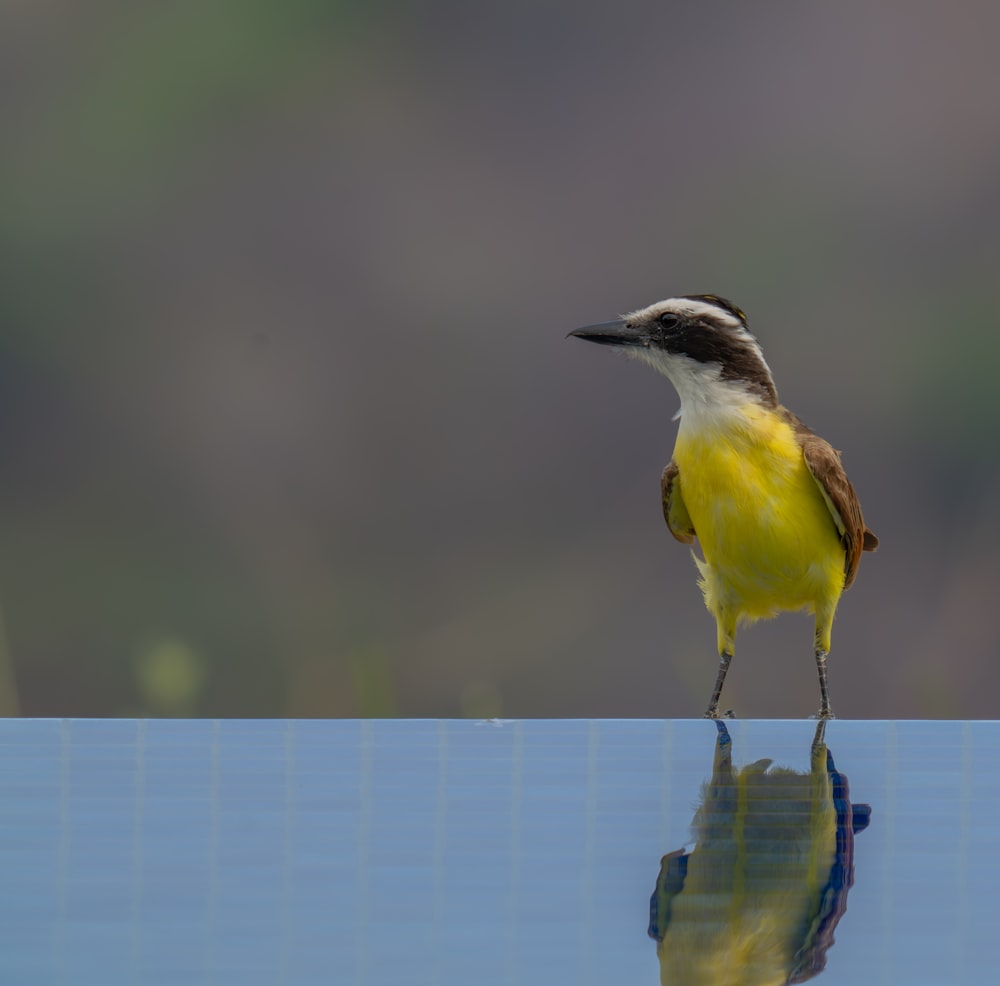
(288, 422)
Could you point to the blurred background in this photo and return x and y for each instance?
(288, 421)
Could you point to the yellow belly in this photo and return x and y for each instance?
(767, 536)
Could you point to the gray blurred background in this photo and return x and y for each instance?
(288, 421)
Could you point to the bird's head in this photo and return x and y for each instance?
(698, 341)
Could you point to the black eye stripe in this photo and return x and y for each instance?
(707, 341)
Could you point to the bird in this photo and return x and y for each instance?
(778, 523)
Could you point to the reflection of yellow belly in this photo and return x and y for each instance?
(766, 843)
(766, 532)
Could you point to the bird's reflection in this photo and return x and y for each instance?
(757, 899)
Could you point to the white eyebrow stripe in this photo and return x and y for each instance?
(687, 306)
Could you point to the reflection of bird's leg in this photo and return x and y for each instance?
(819, 755)
(723, 748)
(819, 738)
(720, 797)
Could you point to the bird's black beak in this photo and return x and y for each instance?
(616, 333)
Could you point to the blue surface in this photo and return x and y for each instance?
(451, 852)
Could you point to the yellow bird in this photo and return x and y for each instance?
(779, 524)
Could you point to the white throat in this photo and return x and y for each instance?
(707, 401)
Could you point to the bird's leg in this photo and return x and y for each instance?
(712, 712)
(824, 623)
(725, 635)
(825, 712)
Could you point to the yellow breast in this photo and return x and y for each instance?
(767, 535)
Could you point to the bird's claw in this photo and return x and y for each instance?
(716, 714)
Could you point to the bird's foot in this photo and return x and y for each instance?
(824, 714)
(713, 713)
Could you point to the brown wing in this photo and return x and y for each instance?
(674, 510)
(823, 461)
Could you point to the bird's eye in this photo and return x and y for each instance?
(668, 320)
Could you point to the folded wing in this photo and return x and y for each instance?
(823, 462)
(674, 511)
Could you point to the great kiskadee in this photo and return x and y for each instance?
(779, 524)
